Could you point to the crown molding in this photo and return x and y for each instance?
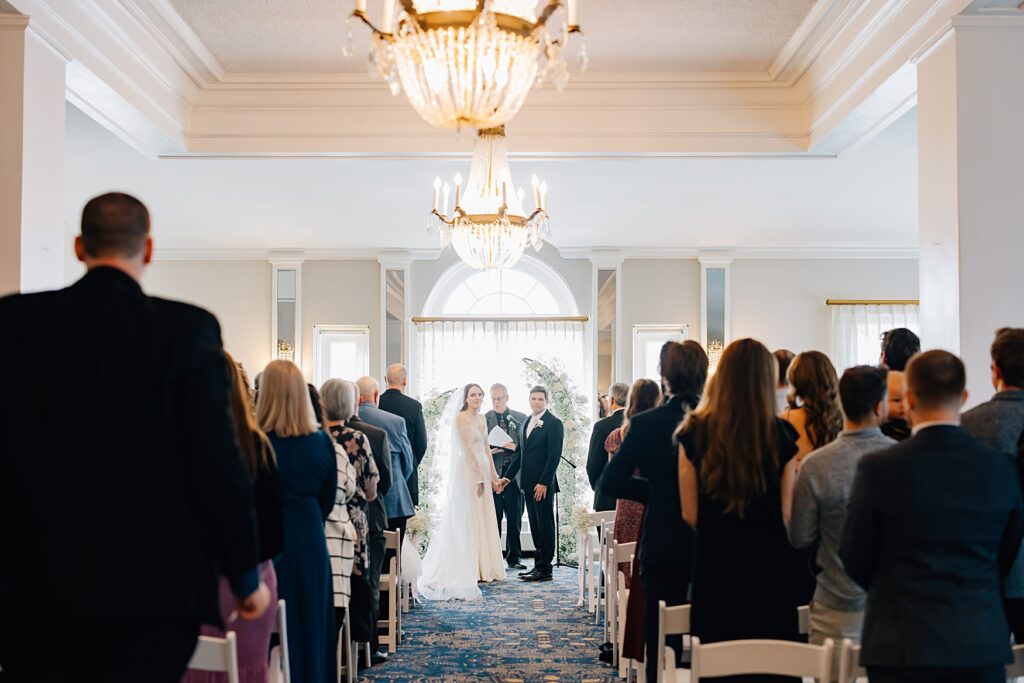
(169, 29)
(744, 253)
(294, 256)
(13, 22)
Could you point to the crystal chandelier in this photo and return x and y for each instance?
(468, 62)
(488, 227)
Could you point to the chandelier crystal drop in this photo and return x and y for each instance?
(469, 62)
(488, 227)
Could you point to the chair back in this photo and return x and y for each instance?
(391, 540)
(280, 667)
(600, 517)
(622, 552)
(217, 654)
(849, 668)
(672, 621)
(1016, 669)
(803, 618)
(777, 657)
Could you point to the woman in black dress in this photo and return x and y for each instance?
(734, 454)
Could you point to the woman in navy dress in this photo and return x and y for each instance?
(734, 455)
(309, 477)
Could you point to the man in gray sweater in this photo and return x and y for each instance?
(819, 502)
(1000, 424)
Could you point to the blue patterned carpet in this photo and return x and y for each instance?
(519, 633)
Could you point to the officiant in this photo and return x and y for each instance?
(503, 427)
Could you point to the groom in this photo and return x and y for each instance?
(541, 441)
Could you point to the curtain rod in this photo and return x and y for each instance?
(872, 302)
(484, 319)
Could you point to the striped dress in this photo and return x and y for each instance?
(339, 530)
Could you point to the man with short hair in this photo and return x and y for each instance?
(899, 345)
(509, 503)
(820, 498)
(933, 525)
(397, 501)
(395, 401)
(115, 526)
(541, 440)
(597, 456)
(896, 425)
(1000, 423)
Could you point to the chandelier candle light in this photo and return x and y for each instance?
(468, 62)
(488, 227)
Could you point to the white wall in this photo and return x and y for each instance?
(340, 293)
(237, 292)
(656, 291)
(782, 302)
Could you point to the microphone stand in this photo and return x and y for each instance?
(558, 524)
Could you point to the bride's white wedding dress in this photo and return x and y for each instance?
(465, 548)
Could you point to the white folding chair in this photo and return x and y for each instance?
(850, 670)
(803, 618)
(672, 621)
(607, 529)
(280, 667)
(346, 664)
(591, 556)
(616, 597)
(217, 654)
(389, 583)
(738, 657)
(1013, 671)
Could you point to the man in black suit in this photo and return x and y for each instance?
(933, 525)
(377, 522)
(541, 440)
(116, 520)
(597, 456)
(409, 409)
(509, 503)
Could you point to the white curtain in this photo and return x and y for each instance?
(452, 354)
(857, 331)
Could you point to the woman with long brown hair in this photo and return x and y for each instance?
(309, 481)
(813, 402)
(253, 636)
(734, 454)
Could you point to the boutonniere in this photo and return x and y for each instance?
(540, 423)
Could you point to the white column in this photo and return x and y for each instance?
(971, 187)
(32, 86)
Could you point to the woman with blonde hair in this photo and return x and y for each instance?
(309, 479)
(734, 454)
(253, 636)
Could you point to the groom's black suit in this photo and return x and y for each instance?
(541, 452)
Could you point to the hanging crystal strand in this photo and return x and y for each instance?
(584, 58)
(347, 47)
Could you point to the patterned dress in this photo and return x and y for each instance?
(629, 514)
(358, 449)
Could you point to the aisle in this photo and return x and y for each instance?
(519, 633)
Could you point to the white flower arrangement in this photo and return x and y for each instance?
(580, 520)
(419, 524)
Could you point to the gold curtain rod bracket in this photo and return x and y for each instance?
(872, 302)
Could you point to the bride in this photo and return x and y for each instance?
(465, 548)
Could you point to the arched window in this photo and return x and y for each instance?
(530, 289)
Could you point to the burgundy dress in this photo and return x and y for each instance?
(629, 514)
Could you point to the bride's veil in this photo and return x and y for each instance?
(450, 565)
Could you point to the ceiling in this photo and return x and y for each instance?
(283, 36)
(864, 198)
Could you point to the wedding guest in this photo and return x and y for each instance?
(309, 481)
(115, 524)
(784, 357)
(629, 514)
(339, 529)
(1000, 423)
(895, 426)
(820, 498)
(339, 398)
(666, 544)
(395, 401)
(933, 525)
(734, 454)
(377, 522)
(602, 406)
(398, 500)
(899, 345)
(510, 503)
(253, 637)
(318, 407)
(597, 454)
